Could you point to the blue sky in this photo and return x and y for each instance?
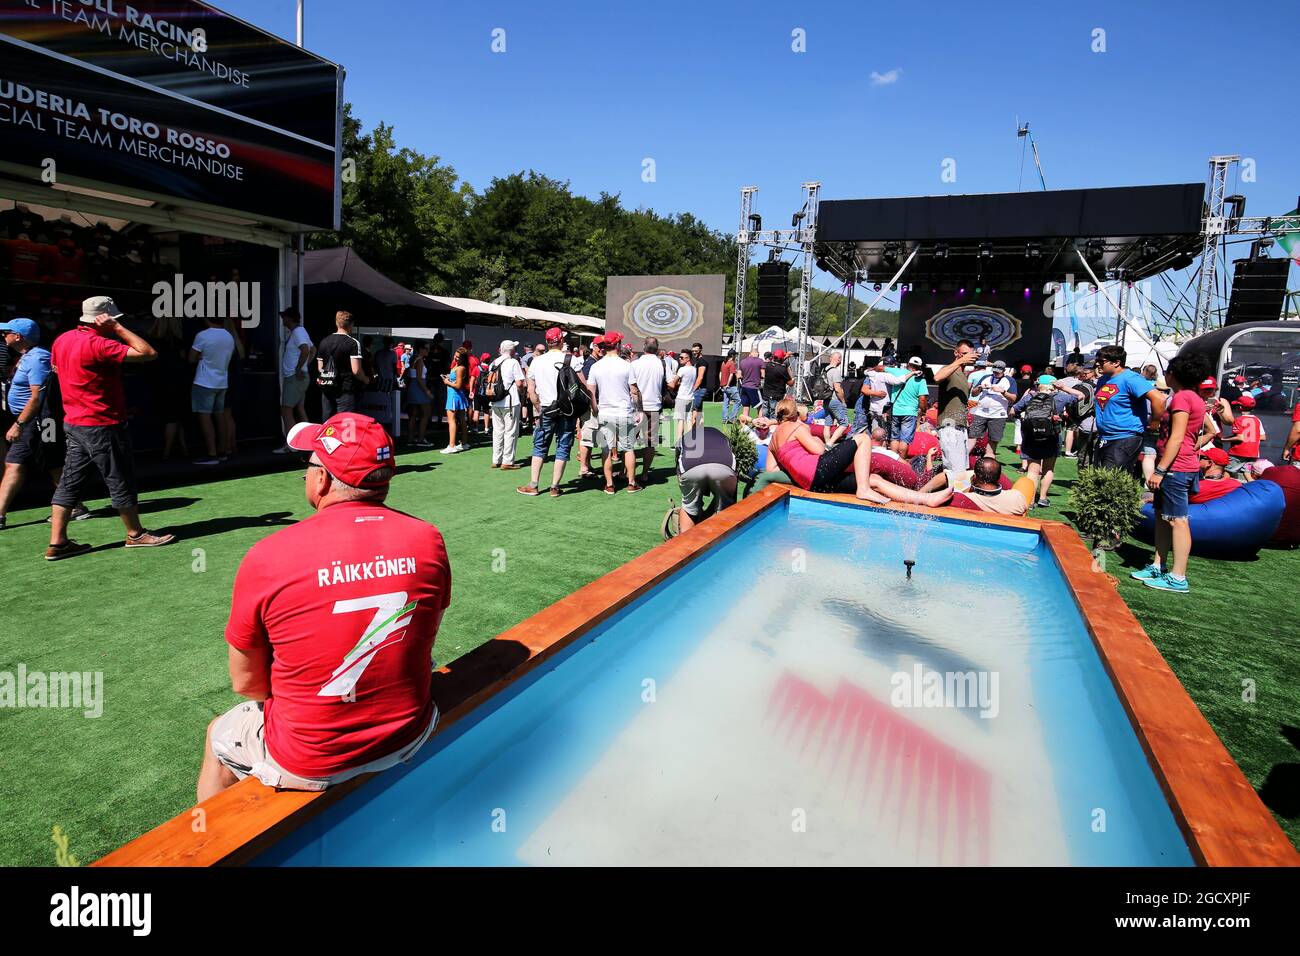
(713, 92)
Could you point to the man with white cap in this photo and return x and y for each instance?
(331, 627)
(89, 360)
(503, 378)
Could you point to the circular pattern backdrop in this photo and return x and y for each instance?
(664, 313)
(950, 326)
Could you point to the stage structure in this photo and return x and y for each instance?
(975, 266)
(798, 239)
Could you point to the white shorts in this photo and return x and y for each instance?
(617, 432)
(587, 437)
(238, 743)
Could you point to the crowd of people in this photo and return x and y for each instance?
(875, 433)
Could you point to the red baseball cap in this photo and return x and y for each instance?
(1026, 368)
(554, 334)
(1245, 401)
(779, 354)
(350, 446)
(1208, 385)
(613, 338)
(598, 340)
(1215, 455)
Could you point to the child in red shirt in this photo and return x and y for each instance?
(1247, 435)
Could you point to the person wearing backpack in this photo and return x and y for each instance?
(1076, 413)
(556, 393)
(503, 398)
(339, 371)
(1041, 410)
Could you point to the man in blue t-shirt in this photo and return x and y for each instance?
(1121, 403)
(907, 401)
(25, 402)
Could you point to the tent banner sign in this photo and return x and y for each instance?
(677, 310)
(173, 99)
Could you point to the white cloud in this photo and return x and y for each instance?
(885, 79)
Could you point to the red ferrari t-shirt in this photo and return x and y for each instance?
(89, 363)
(1248, 427)
(1211, 488)
(349, 602)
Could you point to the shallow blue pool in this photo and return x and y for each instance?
(792, 698)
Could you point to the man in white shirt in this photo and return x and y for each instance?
(294, 362)
(619, 422)
(870, 408)
(505, 411)
(989, 416)
(646, 380)
(543, 388)
(211, 352)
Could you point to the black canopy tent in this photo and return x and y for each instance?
(340, 279)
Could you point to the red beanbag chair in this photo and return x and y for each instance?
(891, 469)
(1288, 477)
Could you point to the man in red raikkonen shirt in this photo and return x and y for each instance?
(332, 626)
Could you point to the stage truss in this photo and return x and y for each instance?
(799, 240)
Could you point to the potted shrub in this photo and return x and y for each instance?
(1107, 504)
(743, 447)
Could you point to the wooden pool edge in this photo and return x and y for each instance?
(238, 824)
(1221, 817)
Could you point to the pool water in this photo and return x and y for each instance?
(791, 698)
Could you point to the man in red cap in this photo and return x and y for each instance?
(1215, 482)
(776, 382)
(587, 426)
(331, 627)
(543, 390)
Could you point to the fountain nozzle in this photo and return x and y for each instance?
(909, 564)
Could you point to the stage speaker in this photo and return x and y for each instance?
(773, 294)
(1258, 290)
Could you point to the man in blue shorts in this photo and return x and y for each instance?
(908, 404)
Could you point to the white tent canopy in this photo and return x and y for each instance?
(515, 313)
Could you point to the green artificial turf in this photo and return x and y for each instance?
(151, 621)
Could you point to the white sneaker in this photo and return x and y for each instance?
(449, 450)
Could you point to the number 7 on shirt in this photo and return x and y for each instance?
(392, 614)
